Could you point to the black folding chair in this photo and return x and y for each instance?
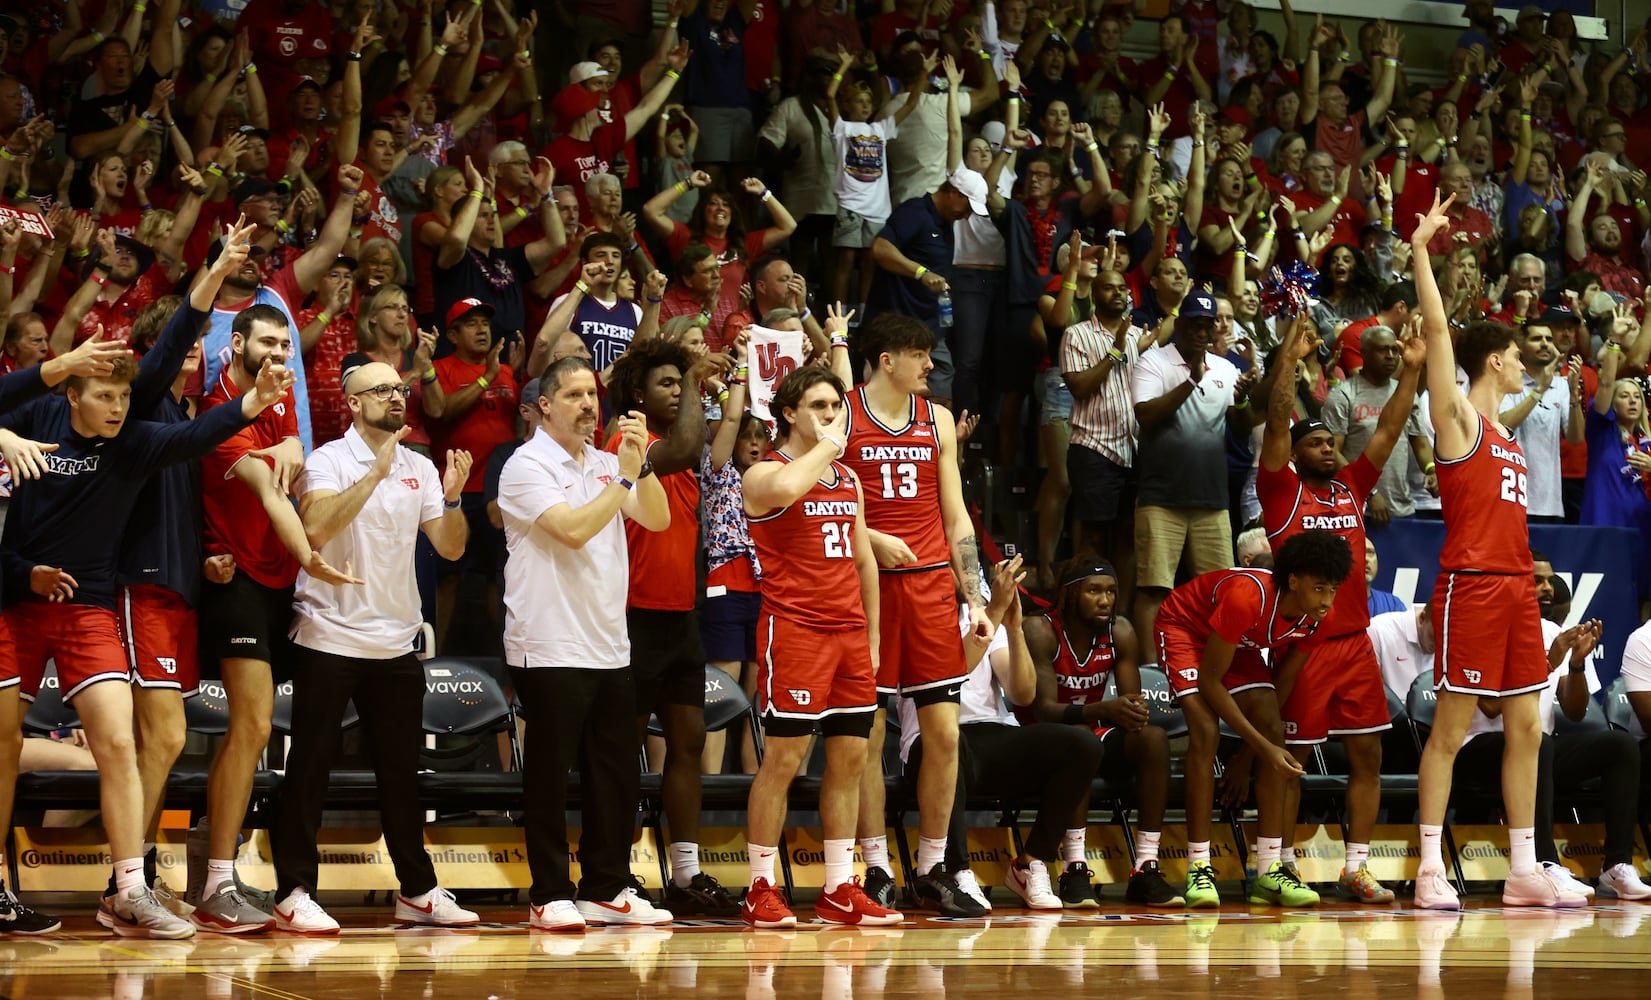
(48, 712)
(1421, 703)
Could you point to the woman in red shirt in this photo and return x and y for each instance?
(443, 189)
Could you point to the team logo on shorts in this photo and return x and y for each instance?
(801, 697)
(1289, 729)
(1189, 674)
(1472, 676)
(167, 664)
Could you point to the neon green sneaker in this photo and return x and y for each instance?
(1362, 887)
(1281, 887)
(1201, 892)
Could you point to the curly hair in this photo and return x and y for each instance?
(1322, 555)
(631, 371)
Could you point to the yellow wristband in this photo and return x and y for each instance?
(583, 288)
(482, 381)
(921, 270)
(673, 74)
(322, 317)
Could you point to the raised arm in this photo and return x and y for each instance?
(1454, 422)
(1396, 411)
(464, 219)
(1300, 341)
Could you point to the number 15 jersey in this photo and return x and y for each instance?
(900, 473)
(806, 551)
(1483, 497)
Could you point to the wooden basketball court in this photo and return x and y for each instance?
(1338, 950)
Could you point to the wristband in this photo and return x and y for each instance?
(1070, 286)
(138, 8)
(673, 74)
(1242, 404)
(1461, 78)
(1390, 60)
(7, 269)
(656, 301)
(1116, 356)
(682, 186)
(6, 154)
(1095, 147)
(1427, 468)
(322, 317)
(355, 234)
(1175, 313)
(921, 270)
(81, 254)
(1335, 199)
(249, 69)
(482, 381)
(429, 374)
(1241, 249)
(722, 397)
(1268, 234)
(474, 194)
(634, 247)
(583, 288)
(984, 54)
(100, 279)
(1072, 715)
(353, 57)
(742, 369)
(1612, 345)
(838, 340)
(1198, 144)
(447, 504)
(804, 317)
(440, 50)
(837, 77)
(282, 227)
(97, 36)
(670, 25)
(522, 212)
(1344, 56)
(839, 443)
(214, 169)
(1169, 74)
(767, 195)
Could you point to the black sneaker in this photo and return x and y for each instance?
(939, 890)
(879, 886)
(17, 917)
(1148, 888)
(1077, 890)
(703, 896)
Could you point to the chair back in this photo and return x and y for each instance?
(1593, 720)
(208, 712)
(49, 713)
(280, 718)
(463, 696)
(1619, 711)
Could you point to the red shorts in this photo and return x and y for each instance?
(159, 634)
(1488, 634)
(1180, 653)
(83, 640)
(921, 648)
(807, 674)
(1339, 692)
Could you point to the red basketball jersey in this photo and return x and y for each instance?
(1290, 506)
(900, 473)
(806, 551)
(1483, 496)
(1239, 605)
(1081, 679)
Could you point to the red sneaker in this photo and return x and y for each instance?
(764, 906)
(849, 904)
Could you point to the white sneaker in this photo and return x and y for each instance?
(436, 908)
(299, 913)
(971, 887)
(1623, 882)
(1031, 884)
(138, 914)
(556, 915)
(629, 907)
(1564, 881)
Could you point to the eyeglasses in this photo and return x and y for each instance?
(1612, 135)
(384, 392)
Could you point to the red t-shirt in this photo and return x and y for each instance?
(490, 423)
(577, 160)
(657, 557)
(117, 317)
(1350, 357)
(236, 522)
(619, 101)
(280, 39)
(329, 413)
(1475, 224)
(383, 216)
(1177, 99)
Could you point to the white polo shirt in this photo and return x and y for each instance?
(1636, 671)
(564, 607)
(379, 619)
(1539, 436)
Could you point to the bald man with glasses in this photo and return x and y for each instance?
(363, 500)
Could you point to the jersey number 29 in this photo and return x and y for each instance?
(1513, 486)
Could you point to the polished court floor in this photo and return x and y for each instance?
(1600, 953)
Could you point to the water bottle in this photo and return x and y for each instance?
(945, 304)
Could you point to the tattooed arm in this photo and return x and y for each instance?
(960, 530)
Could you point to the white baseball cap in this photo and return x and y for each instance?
(585, 71)
(972, 186)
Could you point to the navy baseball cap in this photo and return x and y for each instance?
(1198, 305)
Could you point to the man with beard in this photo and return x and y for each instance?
(246, 602)
(1352, 414)
(124, 279)
(1184, 396)
(1305, 486)
(363, 499)
(285, 293)
(1595, 243)
(1547, 409)
(562, 502)
(661, 381)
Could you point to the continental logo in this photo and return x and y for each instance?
(39, 859)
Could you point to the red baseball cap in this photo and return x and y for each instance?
(465, 307)
(574, 102)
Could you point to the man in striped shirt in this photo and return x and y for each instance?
(1095, 358)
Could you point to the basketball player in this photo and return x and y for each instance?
(906, 448)
(1486, 632)
(1210, 634)
(1339, 690)
(816, 643)
(1071, 687)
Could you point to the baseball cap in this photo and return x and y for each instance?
(970, 185)
(994, 133)
(306, 81)
(530, 392)
(1557, 314)
(1531, 10)
(465, 307)
(1302, 428)
(574, 102)
(389, 104)
(489, 63)
(253, 131)
(1198, 305)
(252, 187)
(347, 261)
(1237, 116)
(586, 71)
(144, 255)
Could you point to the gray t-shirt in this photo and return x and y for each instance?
(1352, 410)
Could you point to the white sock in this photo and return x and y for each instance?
(128, 875)
(875, 852)
(1146, 847)
(1357, 854)
(839, 863)
(217, 873)
(1267, 851)
(931, 851)
(1072, 845)
(1287, 853)
(762, 862)
(684, 863)
(1432, 839)
(1198, 852)
(1522, 840)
